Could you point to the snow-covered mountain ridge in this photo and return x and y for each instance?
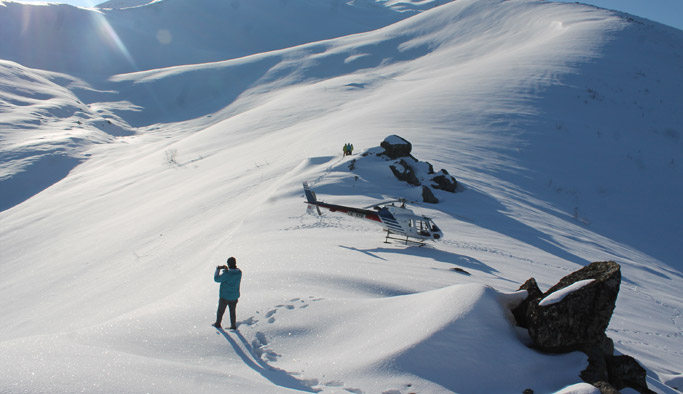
(560, 121)
(106, 41)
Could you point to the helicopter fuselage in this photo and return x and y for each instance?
(396, 220)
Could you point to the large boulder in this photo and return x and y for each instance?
(444, 181)
(428, 196)
(611, 373)
(408, 169)
(624, 371)
(396, 147)
(596, 371)
(573, 314)
(405, 172)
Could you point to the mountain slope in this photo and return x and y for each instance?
(45, 129)
(585, 118)
(107, 273)
(105, 41)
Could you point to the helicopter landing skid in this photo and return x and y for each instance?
(406, 240)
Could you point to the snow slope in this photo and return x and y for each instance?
(104, 41)
(558, 119)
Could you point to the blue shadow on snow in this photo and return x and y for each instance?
(277, 376)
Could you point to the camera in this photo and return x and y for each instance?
(225, 267)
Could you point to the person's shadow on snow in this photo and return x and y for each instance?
(276, 376)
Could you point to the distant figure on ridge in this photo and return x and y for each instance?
(348, 149)
(230, 280)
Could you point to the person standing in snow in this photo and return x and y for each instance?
(230, 280)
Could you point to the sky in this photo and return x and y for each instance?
(669, 12)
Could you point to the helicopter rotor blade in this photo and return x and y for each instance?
(401, 200)
(417, 203)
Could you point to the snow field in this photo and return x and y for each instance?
(106, 274)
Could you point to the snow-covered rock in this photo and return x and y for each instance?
(558, 295)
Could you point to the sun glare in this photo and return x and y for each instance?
(107, 32)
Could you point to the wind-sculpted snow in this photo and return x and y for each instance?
(402, 336)
(45, 130)
(123, 187)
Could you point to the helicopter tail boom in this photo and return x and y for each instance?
(351, 211)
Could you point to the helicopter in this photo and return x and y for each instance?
(399, 222)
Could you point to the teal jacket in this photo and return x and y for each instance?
(230, 283)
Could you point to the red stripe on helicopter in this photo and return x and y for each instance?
(374, 217)
(362, 213)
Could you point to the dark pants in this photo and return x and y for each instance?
(222, 303)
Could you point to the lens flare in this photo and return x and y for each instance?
(164, 37)
(107, 32)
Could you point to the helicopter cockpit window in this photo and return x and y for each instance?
(421, 226)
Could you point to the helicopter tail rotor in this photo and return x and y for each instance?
(310, 195)
(311, 198)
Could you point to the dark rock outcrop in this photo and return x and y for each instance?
(428, 195)
(576, 321)
(605, 388)
(580, 319)
(624, 371)
(596, 371)
(444, 181)
(534, 295)
(406, 174)
(410, 170)
(396, 147)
